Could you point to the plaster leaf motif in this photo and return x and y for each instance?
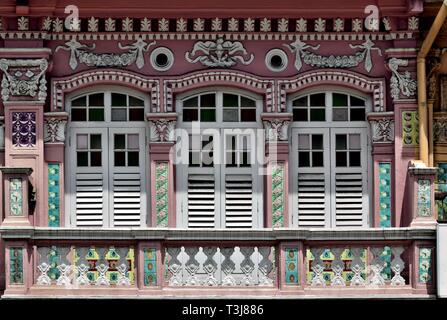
(46, 24)
(22, 24)
(93, 24)
(266, 25)
(320, 25)
(301, 25)
(216, 24)
(57, 25)
(128, 25)
(163, 25)
(357, 25)
(249, 25)
(146, 25)
(233, 24)
(181, 25)
(413, 23)
(199, 24)
(339, 25)
(283, 25)
(110, 24)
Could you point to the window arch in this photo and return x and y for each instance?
(219, 185)
(107, 169)
(330, 158)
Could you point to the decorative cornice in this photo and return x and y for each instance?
(242, 36)
(24, 77)
(220, 53)
(80, 53)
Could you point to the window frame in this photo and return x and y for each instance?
(219, 174)
(107, 129)
(315, 127)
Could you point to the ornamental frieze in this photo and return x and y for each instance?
(219, 53)
(81, 54)
(24, 77)
(304, 55)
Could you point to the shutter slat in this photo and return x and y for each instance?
(311, 199)
(89, 199)
(201, 201)
(349, 199)
(238, 201)
(127, 199)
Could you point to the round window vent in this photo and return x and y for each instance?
(162, 59)
(276, 60)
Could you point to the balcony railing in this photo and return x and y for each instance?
(69, 262)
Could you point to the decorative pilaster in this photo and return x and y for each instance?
(162, 127)
(276, 127)
(422, 182)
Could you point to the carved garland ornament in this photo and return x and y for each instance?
(219, 53)
(401, 83)
(302, 55)
(24, 77)
(79, 53)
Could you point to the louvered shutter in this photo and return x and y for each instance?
(349, 199)
(90, 199)
(350, 204)
(311, 184)
(126, 184)
(312, 200)
(201, 202)
(239, 201)
(127, 199)
(89, 183)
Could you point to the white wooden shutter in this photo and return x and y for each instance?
(89, 199)
(201, 201)
(350, 205)
(127, 199)
(349, 199)
(311, 185)
(89, 184)
(126, 184)
(312, 199)
(238, 201)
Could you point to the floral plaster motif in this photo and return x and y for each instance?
(382, 130)
(401, 84)
(24, 129)
(219, 53)
(80, 53)
(410, 128)
(291, 255)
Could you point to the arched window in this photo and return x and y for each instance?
(330, 159)
(106, 158)
(218, 185)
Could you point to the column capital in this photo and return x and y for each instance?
(162, 126)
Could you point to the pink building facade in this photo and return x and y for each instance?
(223, 149)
